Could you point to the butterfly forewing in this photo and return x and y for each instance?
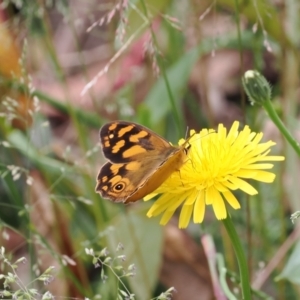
(124, 141)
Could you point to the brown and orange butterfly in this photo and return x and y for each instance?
(139, 161)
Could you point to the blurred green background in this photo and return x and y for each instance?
(68, 67)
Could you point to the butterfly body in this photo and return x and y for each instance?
(139, 161)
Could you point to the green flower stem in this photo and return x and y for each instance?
(267, 105)
(243, 268)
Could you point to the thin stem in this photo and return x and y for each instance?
(280, 254)
(249, 234)
(223, 281)
(164, 73)
(243, 268)
(237, 19)
(90, 119)
(267, 104)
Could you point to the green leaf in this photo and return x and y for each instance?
(157, 101)
(6, 293)
(291, 270)
(20, 141)
(142, 240)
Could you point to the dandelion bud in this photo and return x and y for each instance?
(257, 87)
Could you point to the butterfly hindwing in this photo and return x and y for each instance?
(113, 183)
(119, 182)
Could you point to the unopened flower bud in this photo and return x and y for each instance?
(257, 87)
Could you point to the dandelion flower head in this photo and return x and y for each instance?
(218, 163)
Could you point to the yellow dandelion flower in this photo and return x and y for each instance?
(218, 163)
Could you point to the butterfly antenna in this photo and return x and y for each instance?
(186, 132)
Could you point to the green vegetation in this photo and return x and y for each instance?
(67, 68)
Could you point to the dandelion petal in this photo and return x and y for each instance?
(166, 217)
(199, 208)
(264, 176)
(185, 216)
(246, 173)
(219, 207)
(243, 185)
(149, 197)
(259, 166)
(211, 194)
(231, 200)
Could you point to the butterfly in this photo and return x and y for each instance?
(139, 161)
